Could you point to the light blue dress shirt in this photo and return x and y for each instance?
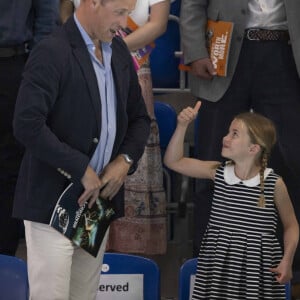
(107, 93)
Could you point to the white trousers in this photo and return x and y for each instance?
(57, 269)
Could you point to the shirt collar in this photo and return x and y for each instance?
(230, 177)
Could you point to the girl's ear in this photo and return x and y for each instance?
(254, 148)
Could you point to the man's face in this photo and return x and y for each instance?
(108, 17)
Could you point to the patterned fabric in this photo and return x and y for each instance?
(143, 230)
(239, 245)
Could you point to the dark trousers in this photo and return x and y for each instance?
(266, 81)
(11, 69)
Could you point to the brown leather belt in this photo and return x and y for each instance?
(12, 51)
(256, 34)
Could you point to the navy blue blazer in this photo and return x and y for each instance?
(58, 119)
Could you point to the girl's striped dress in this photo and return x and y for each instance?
(240, 245)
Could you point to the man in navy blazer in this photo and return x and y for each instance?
(82, 119)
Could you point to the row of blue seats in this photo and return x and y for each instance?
(117, 269)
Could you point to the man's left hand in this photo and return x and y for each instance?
(112, 177)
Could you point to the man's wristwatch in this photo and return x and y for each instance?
(127, 158)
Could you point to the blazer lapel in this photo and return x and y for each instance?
(83, 58)
(88, 71)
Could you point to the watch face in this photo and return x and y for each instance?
(127, 158)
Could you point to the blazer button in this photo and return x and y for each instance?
(95, 141)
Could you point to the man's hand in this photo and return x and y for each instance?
(92, 185)
(113, 176)
(203, 68)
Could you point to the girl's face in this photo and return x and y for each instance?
(236, 144)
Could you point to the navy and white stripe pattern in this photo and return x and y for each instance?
(239, 245)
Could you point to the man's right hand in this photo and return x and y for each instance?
(203, 68)
(92, 185)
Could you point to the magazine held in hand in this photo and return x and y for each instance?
(218, 40)
(84, 226)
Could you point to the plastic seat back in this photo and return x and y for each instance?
(166, 118)
(13, 278)
(129, 277)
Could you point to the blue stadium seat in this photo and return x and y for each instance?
(186, 271)
(166, 118)
(163, 63)
(189, 268)
(13, 278)
(121, 266)
(176, 185)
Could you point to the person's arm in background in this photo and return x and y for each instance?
(156, 26)
(193, 19)
(46, 18)
(66, 9)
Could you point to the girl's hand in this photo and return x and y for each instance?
(282, 273)
(187, 115)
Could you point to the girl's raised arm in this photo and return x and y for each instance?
(174, 156)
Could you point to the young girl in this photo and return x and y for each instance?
(240, 256)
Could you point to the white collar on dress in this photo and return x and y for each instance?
(231, 178)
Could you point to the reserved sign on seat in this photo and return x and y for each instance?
(121, 287)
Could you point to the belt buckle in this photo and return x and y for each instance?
(249, 31)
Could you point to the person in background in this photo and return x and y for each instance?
(81, 117)
(240, 256)
(263, 75)
(22, 25)
(66, 9)
(143, 229)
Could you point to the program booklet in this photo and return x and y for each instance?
(139, 56)
(218, 40)
(218, 37)
(84, 226)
